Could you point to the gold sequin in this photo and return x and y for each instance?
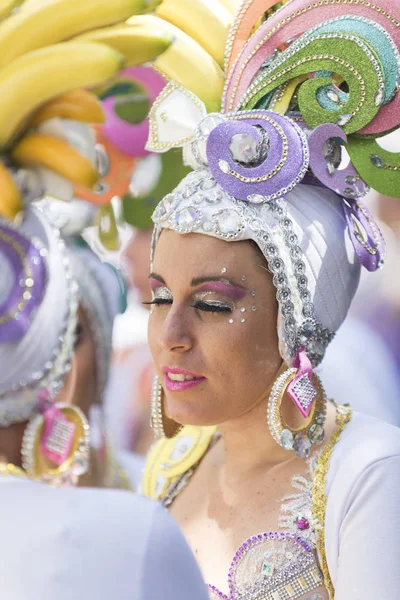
(10, 469)
(319, 498)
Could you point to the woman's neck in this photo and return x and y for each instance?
(11, 442)
(247, 445)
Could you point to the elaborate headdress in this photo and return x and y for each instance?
(310, 85)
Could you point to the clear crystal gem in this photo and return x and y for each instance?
(214, 196)
(224, 166)
(349, 192)
(302, 445)
(164, 208)
(198, 198)
(80, 465)
(320, 418)
(187, 217)
(333, 96)
(344, 119)
(351, 179)
(317, 346)
(316, 433)
(229, 222)
(209, 123)
(377, 161)
(243, 148)
(256, 199)
(287, 439)
(378, 98)
(267, 569)
(208, 184)
(331, 168)
(207, 226)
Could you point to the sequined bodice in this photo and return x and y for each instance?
(273, 566)
(276, 565)
(286, 565)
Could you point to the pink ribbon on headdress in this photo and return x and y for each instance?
(301, 389)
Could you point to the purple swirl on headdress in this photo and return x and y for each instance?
(27, 286)
(365, 235)
(325, 145)
(257, 155)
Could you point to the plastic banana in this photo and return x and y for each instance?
(187, 63)
(40, 150)
(6, 6)
(77, 105)
(206, 21)
(49, 22)
(44, 74)
(10, 198)
(138, 43)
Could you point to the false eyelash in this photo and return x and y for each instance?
(216, 308)
(158, 301)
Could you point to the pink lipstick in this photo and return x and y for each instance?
(179, 380)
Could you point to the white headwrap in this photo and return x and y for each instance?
(41, 358)
(304, 238)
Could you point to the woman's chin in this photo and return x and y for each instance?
(189, 415)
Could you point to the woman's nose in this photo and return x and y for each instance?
(176, 335)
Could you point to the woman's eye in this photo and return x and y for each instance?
(158, 302)
(215, 307)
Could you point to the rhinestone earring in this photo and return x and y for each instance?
(56, 444)
(312, 432)
(162, 426)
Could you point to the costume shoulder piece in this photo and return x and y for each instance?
(168, 459)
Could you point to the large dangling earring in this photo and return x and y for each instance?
(162, 426)
(56, 444)
(305, 389)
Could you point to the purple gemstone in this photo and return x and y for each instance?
(303, 524)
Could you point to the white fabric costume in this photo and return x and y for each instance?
(82, 543)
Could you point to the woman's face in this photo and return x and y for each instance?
(213, 318)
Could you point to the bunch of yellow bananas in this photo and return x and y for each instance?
(51, 49)
(43, 68)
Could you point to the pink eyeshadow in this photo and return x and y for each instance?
(227, 289)
(154, 283)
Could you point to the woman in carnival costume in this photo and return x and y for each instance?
(257, 256)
